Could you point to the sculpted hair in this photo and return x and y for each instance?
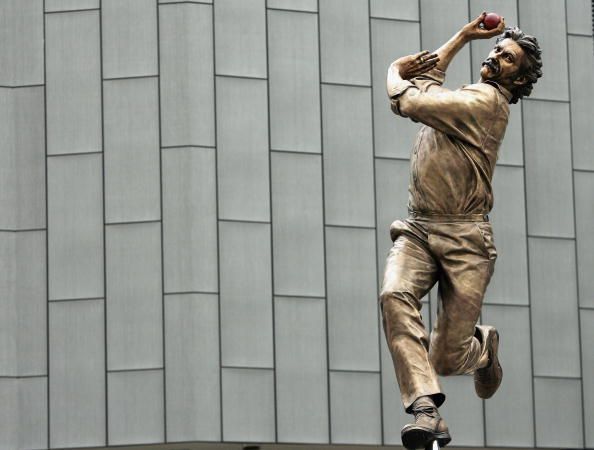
(532, 66)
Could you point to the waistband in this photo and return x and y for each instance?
(428, 217)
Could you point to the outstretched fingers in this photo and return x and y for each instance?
(427, 64)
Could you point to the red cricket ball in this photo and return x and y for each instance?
(491, 21)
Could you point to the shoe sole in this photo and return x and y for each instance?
(494, 344)
(415, 437)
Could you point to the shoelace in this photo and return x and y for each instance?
(428, 411)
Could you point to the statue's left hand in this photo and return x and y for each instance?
(411, 66)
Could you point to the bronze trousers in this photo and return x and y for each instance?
(458, 253)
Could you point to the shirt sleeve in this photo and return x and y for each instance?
(431, 79)
(464, 113)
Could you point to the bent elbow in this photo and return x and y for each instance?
(408, 108)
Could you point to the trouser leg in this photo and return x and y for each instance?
(410, 273)
(467, 257)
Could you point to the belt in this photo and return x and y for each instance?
(429, 217)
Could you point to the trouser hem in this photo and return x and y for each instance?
(437, 397)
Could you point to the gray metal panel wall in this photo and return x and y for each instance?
(196, 198)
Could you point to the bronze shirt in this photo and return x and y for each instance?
(454, 156)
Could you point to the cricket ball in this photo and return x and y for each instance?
(491, 21)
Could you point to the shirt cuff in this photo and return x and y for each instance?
(399, 87)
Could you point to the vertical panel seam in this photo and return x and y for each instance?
(105, 349)
(159, 143)
(530, 321)
(271, 224)
(216, 176)
(375, 228)
(47, 312)
(575, 246)
(324, 225)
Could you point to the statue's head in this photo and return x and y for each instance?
(515, 63)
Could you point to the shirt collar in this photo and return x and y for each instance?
(506, 93)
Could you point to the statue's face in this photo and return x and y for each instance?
(503, 64)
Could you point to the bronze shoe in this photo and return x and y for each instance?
(488, 379)
(428, 426)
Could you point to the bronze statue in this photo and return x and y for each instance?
(447, 237)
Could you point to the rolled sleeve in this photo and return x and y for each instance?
(423, 83)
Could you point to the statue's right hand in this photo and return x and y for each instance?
(473, 30)
(411, 66)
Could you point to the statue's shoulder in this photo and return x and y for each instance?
(485, 91)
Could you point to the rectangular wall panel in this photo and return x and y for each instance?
(9, 421)
(131, 132)
(548, 157)
(352, 294)
(73, 86)
(348, 156)
(297, 225)
(240, 40)
(70, 5)
(584, 216)
(554, 307)
(77, 373)
(135, 408)
(129, 36)
(579, 16)
(246, 295)
(463, 411)
(511, 150)
(21, 54)
(558, 413)
(587, 337)
(187, 74)
(23, 413)
(75, 226)
(192, 371)
(242, 149)
(32, 410)
(248, 405)
(439, 21)
(344, 41)
(546, 21)
(395, 9)
(189, 220)
(510, 280)
(355, 408)
(24, 311)
(505, 426)
(8, 304)
(300, 5)
(393, 135)
(301, 370)
(293, 62)
(581, 54)
(134, 296)
(391, 187)
(22, 136)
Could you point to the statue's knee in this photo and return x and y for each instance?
(385, 296)
(441, 365)
(444, 363)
